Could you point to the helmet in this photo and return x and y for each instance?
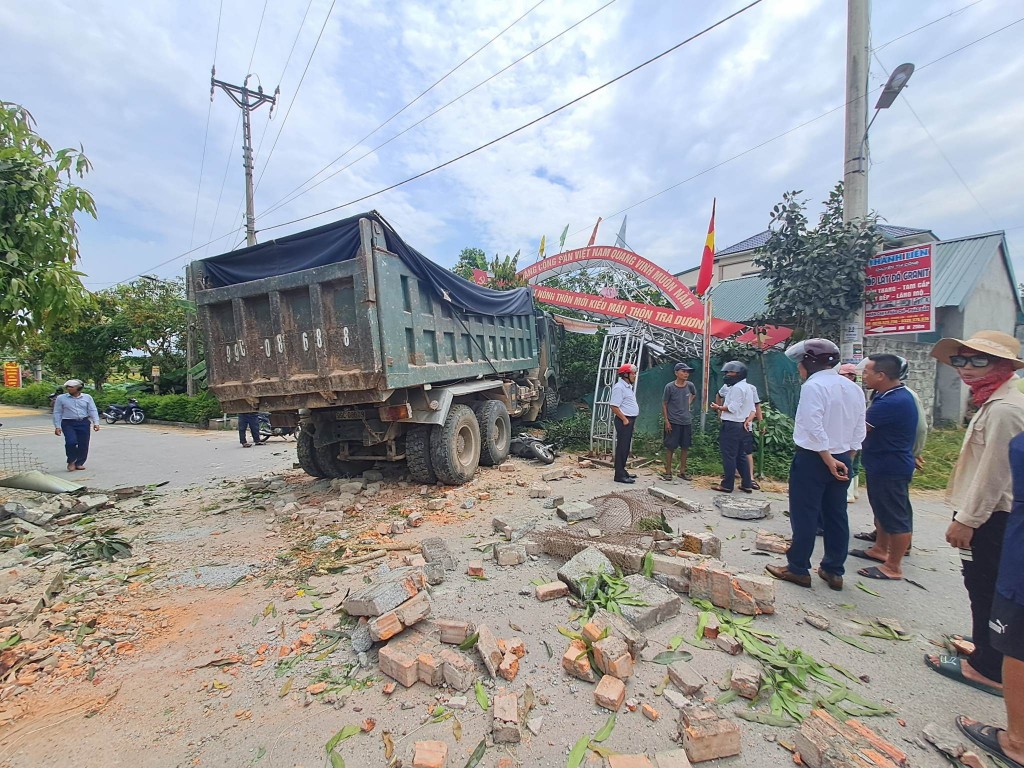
(734, 371)
(848, 368)
(682, 367)
(77, 383)
(904, 368)
(626, 369)
(820, 351)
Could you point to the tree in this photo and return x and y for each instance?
(39, 285)
(815, 276)
(470, 259)
(91, 347)
(505, 273)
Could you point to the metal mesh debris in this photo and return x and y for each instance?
(628, 512)
(15, 460)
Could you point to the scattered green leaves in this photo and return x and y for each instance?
(671, 657)
(478, 754)
(607, 591)
(481, 696)
(469, 642)
(606, 730)
(865, 588)
(579, 751)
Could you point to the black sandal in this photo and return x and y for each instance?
(986, 737)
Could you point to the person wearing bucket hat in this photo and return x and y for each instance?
(72, 413)
(980, 490)
(676, 405)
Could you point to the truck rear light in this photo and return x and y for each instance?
(395, 412)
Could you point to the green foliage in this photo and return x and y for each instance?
(603, 590)
(192, 410)
(572, 433)
(504, 273)
(727, 351)
(39, 286)
(815, 276)
(470, 259)
(157, 313)
(939, 455)
(579, 356)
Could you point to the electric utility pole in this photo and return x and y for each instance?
(247, 101)
(855, 166)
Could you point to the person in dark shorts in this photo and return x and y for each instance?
(1006, 629)
(888, 460)
(675, 407)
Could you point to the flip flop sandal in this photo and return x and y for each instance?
(863, 555)
(868, 536)
(949, 666)
(875, 573)
(986, 737)
(720, 489)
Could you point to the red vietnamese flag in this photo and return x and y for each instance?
(593, 235)
(707, 262)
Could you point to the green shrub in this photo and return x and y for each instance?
(192, 410)
(572, 433)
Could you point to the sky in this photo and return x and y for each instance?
(742, 114)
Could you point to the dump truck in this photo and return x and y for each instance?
(375, 352)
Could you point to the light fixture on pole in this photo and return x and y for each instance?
(897, 82)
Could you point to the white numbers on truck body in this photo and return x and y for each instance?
(319, 338)
(344, 336)
(305, 342)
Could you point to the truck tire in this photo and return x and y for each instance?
(327, 458)
(455, 446)
(550, 404)
(305, 452)
(495, 432)
(417, 454)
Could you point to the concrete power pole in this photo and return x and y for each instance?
(247, 101)
(855, 166)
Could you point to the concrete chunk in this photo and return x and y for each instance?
(701, 543)
(661, 603)
(675, 499)
(553, 474)
(771, 542)
(387, 594)
(573, 511)
(540, 491)
(459, 669)
(510, 554)
(741, 509)
(435, 550)
(586, 563)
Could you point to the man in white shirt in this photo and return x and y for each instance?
(625, 410)
(736, 411)
(829, 427)
(72, 414)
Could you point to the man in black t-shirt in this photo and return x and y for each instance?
(675, 407)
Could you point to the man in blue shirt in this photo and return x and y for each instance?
(888, 458)
(72, 414)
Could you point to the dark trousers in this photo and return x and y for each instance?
(980, 573)
(815, 495)
(76, 440)
(252, 421)
(623, 443)
(732, 440)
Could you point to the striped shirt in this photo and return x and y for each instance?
(68, 407)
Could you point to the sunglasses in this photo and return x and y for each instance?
(975, 361)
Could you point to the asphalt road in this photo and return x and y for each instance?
(123, 454)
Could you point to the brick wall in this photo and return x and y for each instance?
(922, 366)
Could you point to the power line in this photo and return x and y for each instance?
(234, 134)
(296, 96)
(938, 148)
(421, 95)
(648, 198)
(289, 198)
(533, 122)
(924, 26)
(206, 132)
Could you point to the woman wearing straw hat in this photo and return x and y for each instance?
(981, 490)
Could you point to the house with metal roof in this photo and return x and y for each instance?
(974, 288)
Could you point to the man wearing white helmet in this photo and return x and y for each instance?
(72, 414)
(829, 428)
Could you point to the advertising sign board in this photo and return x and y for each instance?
(900, 283)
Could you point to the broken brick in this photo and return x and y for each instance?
(515, 645)
(706, 736)
(430, 754)
(475, 568)
(650, 712)
(685, 677)
(611, 656)
(729, 644)
(454, 631)
(459, 669)
(551, 591)
(390, 592)
(672, 758)
(629, 761)
(610, 693)
(509, 667)
(505, 723)
(487, 645)
(408, 613)
(746, 681)
(398, 664)
(824, 741)
(771, 542)
(430, 669)
(576, 662)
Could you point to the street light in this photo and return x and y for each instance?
(897, 82)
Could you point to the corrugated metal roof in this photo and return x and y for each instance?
(890, 231)
(960, 263)
(740, 300)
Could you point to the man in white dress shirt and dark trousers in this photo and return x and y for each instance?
(830, 426)
(625, 410)
(73, 414)
(736, 411)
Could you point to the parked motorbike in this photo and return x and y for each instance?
(130, 413)
(529, 447)
(268, 430)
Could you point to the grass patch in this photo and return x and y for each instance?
(940, 455)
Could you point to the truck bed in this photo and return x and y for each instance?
(348, 332)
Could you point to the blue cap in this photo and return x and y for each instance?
(682, 367)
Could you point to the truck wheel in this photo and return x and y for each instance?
(327, 458)
(455, 446)
(417, 454)
(550, 404)
(305, 452)
(495, 432)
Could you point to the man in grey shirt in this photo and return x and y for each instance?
(675, 407)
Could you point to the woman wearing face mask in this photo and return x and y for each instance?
(981, 490)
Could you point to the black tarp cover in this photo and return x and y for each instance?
(339, 241)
